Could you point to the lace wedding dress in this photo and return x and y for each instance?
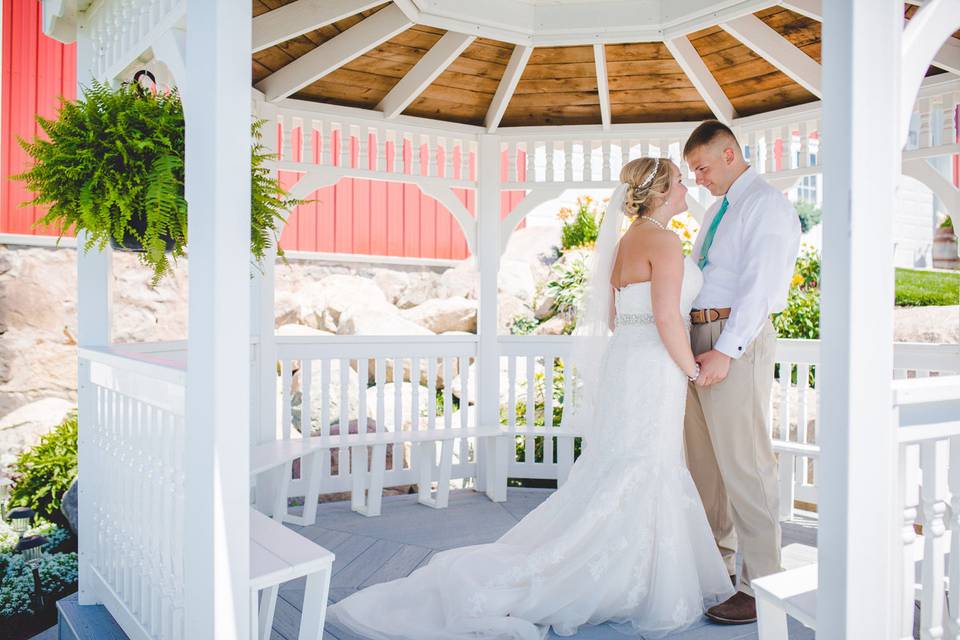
(625, 540)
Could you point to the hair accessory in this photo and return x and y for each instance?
(646, 181)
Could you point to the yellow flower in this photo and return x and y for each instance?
(686, 234)
(797, 280)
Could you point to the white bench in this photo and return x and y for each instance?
(793, 593)
(276, 556)
(272, 461)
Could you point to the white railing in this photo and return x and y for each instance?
(397, 383)
(121, 30)
(348, 377)
(927, 416)
(131, 442)
(352, 142)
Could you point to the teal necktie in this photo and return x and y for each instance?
(708, 239)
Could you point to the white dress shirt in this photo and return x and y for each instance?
(751, 261)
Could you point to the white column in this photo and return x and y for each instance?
(861, 167)
(217, 448)
(488, 262)
(94, 298)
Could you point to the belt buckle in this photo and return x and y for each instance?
(710, 315)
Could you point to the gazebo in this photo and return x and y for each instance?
(536, 96)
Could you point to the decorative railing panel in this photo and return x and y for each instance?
(132, 441)
(121, 30)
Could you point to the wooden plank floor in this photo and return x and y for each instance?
(372, 550)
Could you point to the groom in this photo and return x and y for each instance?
(746, 249)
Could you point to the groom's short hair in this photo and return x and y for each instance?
(708, 132)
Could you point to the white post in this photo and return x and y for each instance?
(488, 261)
(858, 523)
(217, 556)
(94, 299)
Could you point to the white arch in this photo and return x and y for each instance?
(923, 172)
(922, 39)
(534, 198)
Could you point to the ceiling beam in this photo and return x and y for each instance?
(431, 65)
(777, 50)
(302, 16)
(692, 64)
(948, 57)
(603, 87)
(808, 8)
(335, 52)
(508, 83)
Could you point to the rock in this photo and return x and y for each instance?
(374, 320)
(69, 505)
(300, 330)
(536, 247)
(516, 280)
(22, 428)
(508, 309)
(316, 395)
(406, 404)
(463, 280)
(520, 391)
(305, 307)
(793, 399)
(552, 327)
(343, 291)
(421, 287)
(392, 283)
(445, 314)
(544, 307)
(927, 324)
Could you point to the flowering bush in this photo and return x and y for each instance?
(801, 317)
(685, 226)
(580, 229)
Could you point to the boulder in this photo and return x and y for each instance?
(552, 327)
(544, 307)
(341, 292)
(793, 399)
(536, 246)
(509, 308)
(392, 283)
(516, 280)
(462, 280)
(380, 319)
(69, 505)
(316, 395)
(300, 330)
(406, 405)
(420, 288)
(444, 314)
(22, 428)
(305, 307)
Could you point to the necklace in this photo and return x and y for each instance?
(653, 222)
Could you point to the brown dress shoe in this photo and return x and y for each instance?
(739, 609)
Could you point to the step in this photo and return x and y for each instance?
(87, 622)
(53, 633)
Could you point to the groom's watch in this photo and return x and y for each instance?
(696, 373)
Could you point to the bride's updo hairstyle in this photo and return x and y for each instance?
(649, 181)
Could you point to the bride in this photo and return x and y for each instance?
(625, 540)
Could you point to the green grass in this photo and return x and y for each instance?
(926, 288)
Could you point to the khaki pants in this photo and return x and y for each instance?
(730, 457)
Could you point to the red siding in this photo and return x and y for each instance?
(36, 71)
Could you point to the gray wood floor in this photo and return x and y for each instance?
(407, 534)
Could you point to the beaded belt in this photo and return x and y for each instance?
(634, 319)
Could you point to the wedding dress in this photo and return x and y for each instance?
(625, 540)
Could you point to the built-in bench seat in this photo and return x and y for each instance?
(272, 462)
(278, 555)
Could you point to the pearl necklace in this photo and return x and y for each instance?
(653, 222)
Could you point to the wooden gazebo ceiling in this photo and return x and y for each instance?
(558, 85)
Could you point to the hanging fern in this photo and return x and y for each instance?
(113, 162)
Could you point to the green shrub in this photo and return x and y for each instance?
(58, 576)
(523, 326)
(801, 317)
(566, 287)
(810, 215)
(42, 474)
(582, 230)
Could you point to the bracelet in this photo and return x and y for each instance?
(696, 373)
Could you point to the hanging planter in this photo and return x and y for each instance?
(113, 167)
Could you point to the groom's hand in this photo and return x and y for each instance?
(714, 367)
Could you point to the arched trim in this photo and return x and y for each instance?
(534, 198)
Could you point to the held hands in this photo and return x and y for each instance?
(714, 367)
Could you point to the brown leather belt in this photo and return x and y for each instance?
(703, 316)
